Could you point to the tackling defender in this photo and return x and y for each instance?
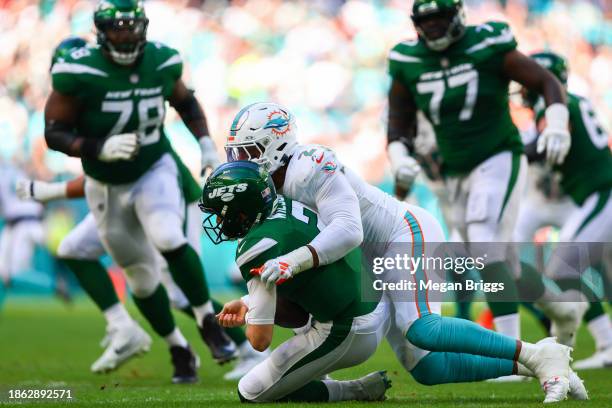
(107, 107)
(349, 209)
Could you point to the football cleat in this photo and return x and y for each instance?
(372, 387)
(221, 346)
(550, 364)
(248, 358)
(509, 379)
(577, 390)
(601, 359)
(125, 343)
(186, 364)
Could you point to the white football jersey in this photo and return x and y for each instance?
(312, 166)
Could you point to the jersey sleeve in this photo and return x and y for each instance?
(253, 253)
(170, 62)
(398, 57)
(495, 37)
(262, 303)
(70, 73)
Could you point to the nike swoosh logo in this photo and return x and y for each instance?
(122, 350)
(320, 159)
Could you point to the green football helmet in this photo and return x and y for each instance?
(440, 37)
(236, 196)
(65, 47)
(122, 16)
(553, 62)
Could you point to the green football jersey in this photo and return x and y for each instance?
(328, 292)
(116, 99)
(189, 186)
(588, 165)
(463, 92)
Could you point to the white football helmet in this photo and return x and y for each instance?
(264, 133)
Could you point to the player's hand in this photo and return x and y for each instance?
(119, 147)
(406, 171)
(274, 272)
(210, 157)
(556, 143)
(555, 139)
(40, 191)
(233, 314)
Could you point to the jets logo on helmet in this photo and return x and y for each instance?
(227, 193)
(264, 133)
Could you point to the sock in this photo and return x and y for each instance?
(188, 273)
(235, 333)
(530, 285)
(116, 315)
(444, 368)
(176, 338)
(436, 333)
(156, 309)
(314, 391)
(510, 325)
(94, 280)
(601, 330)
(503, 302)
(203, 310)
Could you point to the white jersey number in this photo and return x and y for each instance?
(305, 214)
(437, 88)
(151, 113)
(593, 127)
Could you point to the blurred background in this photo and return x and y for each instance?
(324, 59)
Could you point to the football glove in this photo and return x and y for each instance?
(279, 270)
(555, 139)
(405, 168)
(119, 147)
(40, 191)
(210, 157)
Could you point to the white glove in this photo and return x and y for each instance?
(405, 168)
(425, 141)
(555, 138)
(210, 157)
(278, 270)
(119, 147)
(40, 191)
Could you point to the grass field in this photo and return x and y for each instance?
(46, 345)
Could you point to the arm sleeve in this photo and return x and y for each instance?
(338, 207)
(262, 303)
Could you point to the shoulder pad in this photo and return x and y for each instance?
(406, 51)
(492, 35)
(312, 160)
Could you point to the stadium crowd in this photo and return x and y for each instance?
(325, 60)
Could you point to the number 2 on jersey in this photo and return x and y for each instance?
(145, 119)
(437, 89)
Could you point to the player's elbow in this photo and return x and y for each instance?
(354, 233)
(260, 337)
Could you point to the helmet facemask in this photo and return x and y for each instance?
(455, 28)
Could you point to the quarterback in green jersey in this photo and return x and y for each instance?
(458, 75)
(107, 107)
(242, 203)
(586, 177)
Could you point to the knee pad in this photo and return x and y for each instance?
(250, 388)
(165, 230)
(428, 369)
(142, 279)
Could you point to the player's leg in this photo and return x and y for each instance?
(292, 371)
(494, 192)
(160, 209)
(81, 250)
(6, 242)
(589, 227)
(122, 235)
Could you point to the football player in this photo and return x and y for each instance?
(586, 176)
(458, 75)
(350, 209)
(242, 203)
(107, 107)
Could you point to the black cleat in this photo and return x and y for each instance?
(221, 346)
(186, 364)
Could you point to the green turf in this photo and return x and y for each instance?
(44, 344)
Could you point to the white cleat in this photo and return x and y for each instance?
(550, 364)
(125, 343)
(510, 379)
(601, 359)
(577, 390)
(372, 387)
(248, 358)
(567, 321)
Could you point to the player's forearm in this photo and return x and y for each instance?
(192, 114)
(402, 116)
(61, 137)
